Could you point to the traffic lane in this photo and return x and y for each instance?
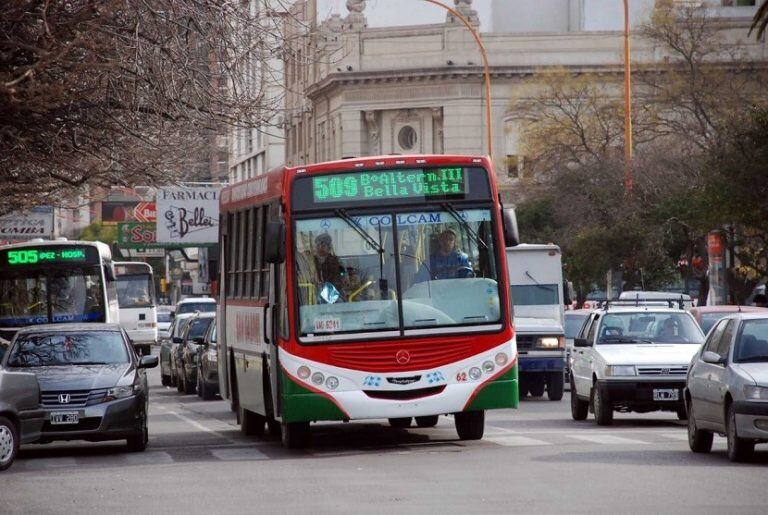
(465, 477)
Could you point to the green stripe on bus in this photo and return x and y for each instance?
(301, 404)
(502, 392)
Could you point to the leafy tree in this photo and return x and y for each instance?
(97, 231)
(760, 20)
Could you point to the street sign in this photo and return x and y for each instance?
(145, 212)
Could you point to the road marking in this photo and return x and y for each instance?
(198, 425)
(606, 439)
(241, 454)
(516, 441)
(676, 436)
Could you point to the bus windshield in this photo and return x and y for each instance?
(35, 296)
(354, 277)
(135, 291)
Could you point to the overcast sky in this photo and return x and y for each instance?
(388, 13)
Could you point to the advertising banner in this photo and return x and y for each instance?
(24, 225)
(116, 212)
(188, 216)
(718, 286)
(137, 235)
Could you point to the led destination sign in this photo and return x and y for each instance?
(41, 256)
(389, 184)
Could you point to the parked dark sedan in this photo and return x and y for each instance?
(93, 386)
(185, 349)
(21, 418)
(167, 371)
(208, 365)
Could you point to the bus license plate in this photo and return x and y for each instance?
(666, 394)
(65, 417)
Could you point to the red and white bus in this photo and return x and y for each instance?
(366, 288)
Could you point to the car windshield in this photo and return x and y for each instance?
(68, 348)
(573, 324)
(352, 276)
(535, 295)
(198, 327)
(180, 326)
(36, 296)
(191, 307)
(649, 327)
(752, 345)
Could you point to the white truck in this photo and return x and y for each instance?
(536, 284)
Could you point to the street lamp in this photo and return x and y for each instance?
(628, 178)
(486, 68)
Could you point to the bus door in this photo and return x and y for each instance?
(275, 317)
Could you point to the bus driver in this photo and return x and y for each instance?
(447, 263)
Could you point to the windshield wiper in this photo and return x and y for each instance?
(359, 230)
(89, 363)
(457, 216)
(620, 339)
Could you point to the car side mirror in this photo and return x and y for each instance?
(274, 247)
(713, 358)
(582, 342)
(148, 362)
(509, 226)
(176, 339)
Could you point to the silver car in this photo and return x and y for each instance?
(726, 390)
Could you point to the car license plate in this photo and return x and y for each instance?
(666, 394)
(65, 417)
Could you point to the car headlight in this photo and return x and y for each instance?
(756, 393)
(119, 392)
(620, 370)
(551, 342)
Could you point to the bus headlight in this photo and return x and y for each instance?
(318, 378)
(303, 372)
(501, 359)
(475, 373)
(551, 342)
(332, 383)
(488, 367)
(620, 370)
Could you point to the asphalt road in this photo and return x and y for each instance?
(535, 459)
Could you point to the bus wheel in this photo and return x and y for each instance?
(295, 435)
(252, 424)
(555, 385)
(400, 423)
(536, 384)
(470, 425)
(430, 421)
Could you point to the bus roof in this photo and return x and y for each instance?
(270, 184)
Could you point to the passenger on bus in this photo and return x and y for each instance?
(447, 262)
(327, 264)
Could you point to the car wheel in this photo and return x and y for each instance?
(698, 439)
(199, 385)
(252, 424)
(555, 385)
(295, 435)
(428, 421)
(138, 443)
(739, 449)
(579, 408)
(537, 385)
(400, 423)
(601, 407)
(9, 443)
(470, 425)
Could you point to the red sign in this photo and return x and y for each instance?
(145, 212)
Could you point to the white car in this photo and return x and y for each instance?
(632, 358)
(195, 304)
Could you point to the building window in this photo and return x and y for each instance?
(407, 137)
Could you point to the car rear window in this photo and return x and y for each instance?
(68, 348)
(202, 307)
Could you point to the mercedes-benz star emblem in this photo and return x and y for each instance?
(402, 357)
(64, 398)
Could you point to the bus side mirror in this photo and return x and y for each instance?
(109, 272)
(274, 245)
(509, 225)
(567, 300)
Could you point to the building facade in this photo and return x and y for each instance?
(353, 90)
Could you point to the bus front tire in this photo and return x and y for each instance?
(428, 421)
(400, 422)
(470, 425)
(252, 424)
(295, 435)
